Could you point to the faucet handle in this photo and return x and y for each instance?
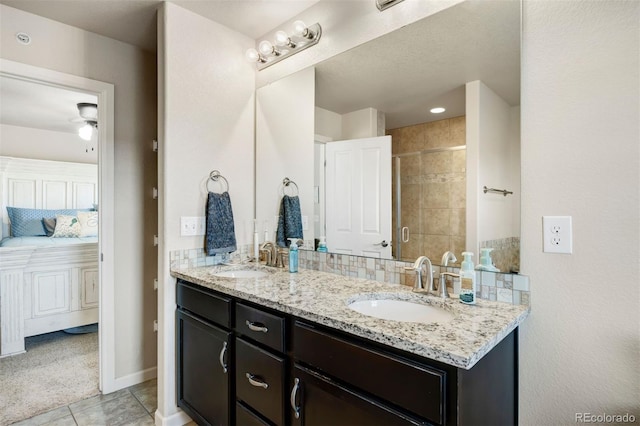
(442, 288)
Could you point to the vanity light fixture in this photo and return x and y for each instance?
(267, 54)
(385, 4)
(437, 110)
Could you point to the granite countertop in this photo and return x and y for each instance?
(323, 298)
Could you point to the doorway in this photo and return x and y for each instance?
(104, 93)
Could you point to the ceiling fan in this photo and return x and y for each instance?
(89, 116)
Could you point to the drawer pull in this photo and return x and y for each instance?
(223, 352)
(255, 382)
(294, 394)
(256, 326)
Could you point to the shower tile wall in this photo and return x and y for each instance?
(433, 187)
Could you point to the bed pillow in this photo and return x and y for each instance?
(27, 222)
(67, 227)
(88, 224)
(49, 224)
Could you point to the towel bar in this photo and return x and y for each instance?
(497, 191)
(215, 176)
(285, 184)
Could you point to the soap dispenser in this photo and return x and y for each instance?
(293, 255)
(468, 280)
(322, 245)
(485, 260)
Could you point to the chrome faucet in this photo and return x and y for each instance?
(417, 267)
(271, 253)
(442, 288)
(448, 256)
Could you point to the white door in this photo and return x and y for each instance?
(358, 197)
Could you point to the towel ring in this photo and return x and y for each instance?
(285, 184)
(215, 176)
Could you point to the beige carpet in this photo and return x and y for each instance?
(57, 369)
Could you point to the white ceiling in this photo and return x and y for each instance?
(134, 21)
(402, 74)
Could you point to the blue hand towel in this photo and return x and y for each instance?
(221, 235)
(289, 221)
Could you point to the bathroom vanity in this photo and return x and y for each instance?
(286, 349)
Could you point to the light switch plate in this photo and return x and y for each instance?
(557, 234)
(192, 225)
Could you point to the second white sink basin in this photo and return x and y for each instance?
(242, 273)
(401, 310)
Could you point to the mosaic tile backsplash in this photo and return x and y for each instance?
(494, 286)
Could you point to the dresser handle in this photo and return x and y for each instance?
(294, 394)
(223, 352)
(256, 326)
(257, 383)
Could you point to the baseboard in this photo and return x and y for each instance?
(133, 379)
(178, 419)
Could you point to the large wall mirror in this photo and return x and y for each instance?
(378, 174)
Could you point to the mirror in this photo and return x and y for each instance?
(465, 59)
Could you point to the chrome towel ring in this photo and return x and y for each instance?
(215, 176)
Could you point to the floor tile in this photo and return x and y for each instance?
(146, 420)
(147, 394)
(114, 412)
(63, 421)
(45, 418)
(96, 400)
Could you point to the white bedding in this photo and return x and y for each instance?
(45, 241)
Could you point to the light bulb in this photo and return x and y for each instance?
(86, 132)
(252, 55)
(437, 110)
(300, 29)
(266, 48)
(282, 39)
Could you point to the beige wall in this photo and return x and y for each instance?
(580, 348)
(206, 122)
(132, 71)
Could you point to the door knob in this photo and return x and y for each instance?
(383, 243)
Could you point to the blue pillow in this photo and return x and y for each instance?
(28, 222)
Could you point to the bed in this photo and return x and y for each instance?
(47, 283)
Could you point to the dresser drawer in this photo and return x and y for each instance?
(204, 304)
(260, 379)
(414, 387)
(260, 326)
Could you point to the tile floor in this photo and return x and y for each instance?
(134, 406)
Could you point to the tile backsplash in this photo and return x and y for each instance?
(509, 288)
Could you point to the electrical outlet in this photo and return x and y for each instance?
(557, 234)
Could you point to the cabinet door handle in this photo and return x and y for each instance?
(294, 395)
(256, 326)
(253, 380)
(223, 352)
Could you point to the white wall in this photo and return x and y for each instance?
(492, 147)
(39, 144)
(132, 71)
(360, 124)
(284, 146)
(580, 348)
(328, 124)
(206, 120)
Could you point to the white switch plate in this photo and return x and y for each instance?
(192, 225)
(557, 234)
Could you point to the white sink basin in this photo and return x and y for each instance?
(242, 273)
(401, 310)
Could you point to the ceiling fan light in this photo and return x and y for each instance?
(86, 132)
(88, 111)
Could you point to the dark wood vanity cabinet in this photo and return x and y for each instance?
(281, 370)
(204, 352)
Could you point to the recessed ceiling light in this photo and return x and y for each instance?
(437, 110)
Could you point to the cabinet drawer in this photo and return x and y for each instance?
(244, 417)
(260, 378)
(415, 387)
(260, 326)
(204, 304)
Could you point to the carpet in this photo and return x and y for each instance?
(57, 369)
